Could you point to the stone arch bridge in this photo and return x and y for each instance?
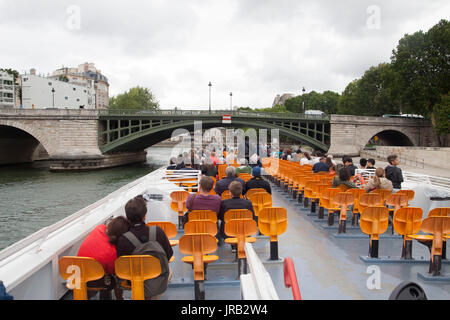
(90, 139)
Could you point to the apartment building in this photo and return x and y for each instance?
(7, 90)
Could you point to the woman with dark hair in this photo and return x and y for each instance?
(331, 165)
(100, 245)
(343, 178)
(306, 159)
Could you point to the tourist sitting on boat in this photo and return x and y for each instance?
(208, 168)
(370, 164)
(236, 202)
(306, 159)
(223, 183)
(204, 200)
(244, 168)
(343, 178)
(393, 172)
(321, 166)
(348, 163)
(100, 245)
(173, 164)
(331, 165)
(362, 163)
(257, 181)
(378, 181)
(127, 244)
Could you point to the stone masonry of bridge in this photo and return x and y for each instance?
(71, 137)
(350, 134)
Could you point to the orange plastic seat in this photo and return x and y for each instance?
(256, 190)
(356, 196)
(221, 168)
(273, 222)
(190, 186)
(202, 215)
(397, 201)
(245, 176)
(137, 269)
(439, 227)
(369, 200)
(200, 226)
(384, 193)
(79, 271)
(198, 246)
(326, 198)
(260, 201)
(179, 204)
(343, 187)
(374, 222)
(409, 193)
(240, 229)
(237, 214)
(343, 200)
(226, 195)
(169, 229)
(407, 221)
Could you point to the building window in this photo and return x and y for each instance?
(74, 89)
(66, 98)
(49, 83)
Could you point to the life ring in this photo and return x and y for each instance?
(359, 178)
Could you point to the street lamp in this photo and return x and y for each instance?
(53, 91)
(303, 100)
(210, 85)
(231, 101)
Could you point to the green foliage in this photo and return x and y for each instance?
(326, 102)
(137, 98)
(12, 72)
(442, 112)
(372, 94)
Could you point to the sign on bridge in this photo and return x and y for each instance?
(226, 118)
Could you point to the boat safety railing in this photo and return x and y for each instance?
(256, 285)
(186, 179)
(290, 278)
(426, 179)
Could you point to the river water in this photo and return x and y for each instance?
(31, 198)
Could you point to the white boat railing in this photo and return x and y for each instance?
(186, 179)
(426, 179)
(256, 285)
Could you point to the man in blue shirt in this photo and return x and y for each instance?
(321, 166)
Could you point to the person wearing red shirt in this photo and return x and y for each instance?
(100, 245)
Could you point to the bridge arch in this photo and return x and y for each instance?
(42, 137)
(145, 138)
(386, 135)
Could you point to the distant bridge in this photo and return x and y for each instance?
(93, 138)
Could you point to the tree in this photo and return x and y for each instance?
(326, 102)
(137, 98)
(422, 64)
(372, 94)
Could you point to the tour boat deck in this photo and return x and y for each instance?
(327, 267)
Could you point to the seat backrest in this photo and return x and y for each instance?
(179, 201)
(407, 221)
(438, 226)
(137, 269)
(260, 201)
(256, 190)
(233, 214)
(245, 176)
(272, 222)
(198, 245)
(240, 229)
(203, 215)
(384, 193)
(439, 212)
(169, 228)
(370, 200)
(409, 193)
(342, 199)
(397, 200)
(79, 270)
(200, 226)
(221, 168)
(374, 221)
(356, 193)
(226, 195)
(343, 187)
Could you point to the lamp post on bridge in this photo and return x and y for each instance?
(231, 101)
(53, 91)
(303, 100)
(210, 85)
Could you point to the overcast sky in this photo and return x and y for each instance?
(253, 48)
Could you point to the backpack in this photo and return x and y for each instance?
(158, 285)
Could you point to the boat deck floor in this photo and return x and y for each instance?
(327, 267)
